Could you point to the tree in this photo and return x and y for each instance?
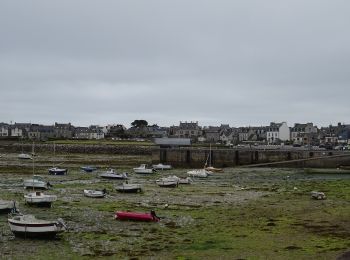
(139, 123)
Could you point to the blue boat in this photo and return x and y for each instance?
(88, 168)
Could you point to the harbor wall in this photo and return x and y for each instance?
(196, 157)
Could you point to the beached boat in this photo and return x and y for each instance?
(168, 182)
(37, 182)
(39, 198)
(213, 169)
(142, 169)
(24, 156)
(161, 166)
(95, 193)
(88, 168)
(57, 171)
(208, 162)
(29, 226)
(199, 173)
(186, 180)
(111, 174)
(6, 206)
(129, 188)
(137, 216)
(327, 171)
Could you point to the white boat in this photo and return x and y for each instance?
(161, 166)
(37, 182)
(129, 188)
(7, 206)
(29, 226)
(171, 182)
(187, 180)
(24, 156)
(199, 173)
(142, 169)
(39, 198)
(111, 174)
(95, 193)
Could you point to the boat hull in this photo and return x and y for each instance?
(129, 188)
(136, 216)
(113, 176)
(58, 171)
(35, 230)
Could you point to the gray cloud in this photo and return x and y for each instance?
(237, 62)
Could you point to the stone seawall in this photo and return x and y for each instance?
(196, 157)
(76, 148)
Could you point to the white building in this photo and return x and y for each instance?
(277, 132)
(4, 130)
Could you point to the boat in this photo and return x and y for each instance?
(327, 171)
(36, 182)
(57, 171)
(30, 226)
(142, 169)
(39, 198)
(161, 166)
(137, 216)
(24, 156)
(210, 167)
(95, 193)
(199, 173)
(6, 206)
(111, 174)
(168, 182)
(186, 180)
(129, 188)
(88, 168)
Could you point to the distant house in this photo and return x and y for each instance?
(81, 133)
(41, 132)
(20, 129)
(115, 131)
(63, 131)
(277, 132)
(229, 136)
(187, 130)
(304, 134)
(211, 134)
(96, 132)
(4, 130)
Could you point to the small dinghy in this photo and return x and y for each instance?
(129, 188)
(161, 166)
(88, 168)
(29, 226)
(57, 171)
(142, 169)
(39, 198)
(6, 206)
(37, 182)
(137, 216)
(95, 193)
(111, 174)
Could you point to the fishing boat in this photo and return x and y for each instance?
(161, 166)
(327, 171)
(129, 188)
(39, 198)
(111, 174)
(29, 226)
(142, 169)
(36, 182)
(95, 193)
(6, 206)
(137, 216)
(88, 168)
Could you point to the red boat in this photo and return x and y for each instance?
(137, 216)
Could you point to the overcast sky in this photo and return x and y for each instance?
(238, 62)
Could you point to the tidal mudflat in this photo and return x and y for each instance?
(259, 213)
